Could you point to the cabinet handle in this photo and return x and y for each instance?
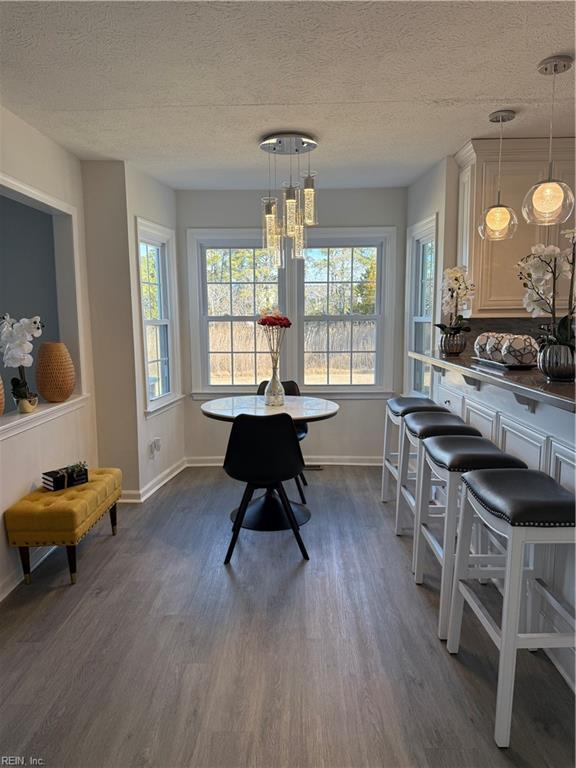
(447, 402)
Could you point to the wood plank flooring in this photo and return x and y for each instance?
(160, 656)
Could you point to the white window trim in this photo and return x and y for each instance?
(156, 234)
(427, 229)
(382, 237)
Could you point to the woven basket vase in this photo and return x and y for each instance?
(55, 374)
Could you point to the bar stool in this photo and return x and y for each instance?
(415, 428)
(527, 507)
(396, 409)
(448, 458)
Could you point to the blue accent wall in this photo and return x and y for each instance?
(27, 277)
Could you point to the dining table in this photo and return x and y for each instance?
(266, 513)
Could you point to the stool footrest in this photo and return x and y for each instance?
(546, 640)
(481, 614)
(435, 546)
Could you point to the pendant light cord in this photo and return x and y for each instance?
(500, 159)
(551, 124)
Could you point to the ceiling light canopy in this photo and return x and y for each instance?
(552, 201)
(286, 214)
(499, 222)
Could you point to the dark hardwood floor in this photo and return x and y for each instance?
(161, 656)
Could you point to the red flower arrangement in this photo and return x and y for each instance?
(275, 320)
(274, 325)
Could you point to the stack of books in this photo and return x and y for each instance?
(66, 477)
(54, 480)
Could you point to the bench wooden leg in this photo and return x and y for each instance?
(25, 560)
(71, 553)
(113, 518)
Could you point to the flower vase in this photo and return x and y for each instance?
(274, 392)
(556, 362)
(452, 344)
(27, 404)
(55, 374)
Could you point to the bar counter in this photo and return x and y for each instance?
(526, 385)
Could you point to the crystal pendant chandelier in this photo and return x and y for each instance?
(550, 202)
(288, 212)
(499, 222)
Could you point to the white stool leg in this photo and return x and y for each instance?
(449, 548)
(403, 462)
(460, 570)
(423, 486)
(388, 430)
(509, 638)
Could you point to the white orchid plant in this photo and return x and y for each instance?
(540, 273)
(16, 338)
(457, 292)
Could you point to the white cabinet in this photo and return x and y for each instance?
(481, 416)
(523, 441)
(493, 264)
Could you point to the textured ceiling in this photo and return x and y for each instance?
(185, 89)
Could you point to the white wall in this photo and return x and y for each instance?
(356, 434)
(146, 198)
(31, 159)
(116, 196)
(435, 193)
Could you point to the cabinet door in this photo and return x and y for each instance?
(482, 417)
(563, 464)
(449, 399)
(524, 442)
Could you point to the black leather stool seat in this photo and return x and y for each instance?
(400, 406)
(462, 453)
(522, 496)
(424, 424)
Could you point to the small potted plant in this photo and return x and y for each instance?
(16, 338)
(541, 273)
(457, 291)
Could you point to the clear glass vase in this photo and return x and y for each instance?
(274, 392)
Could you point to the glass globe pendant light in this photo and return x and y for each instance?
(552, 201)
(499, 222)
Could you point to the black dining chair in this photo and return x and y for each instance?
(263, 452)
(292, 389)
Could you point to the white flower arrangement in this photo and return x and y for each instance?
(457, 292)
(16, 338)
(540, 273)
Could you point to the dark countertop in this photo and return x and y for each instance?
(525, 385)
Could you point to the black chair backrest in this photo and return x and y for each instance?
(291, 388)
(263, 450)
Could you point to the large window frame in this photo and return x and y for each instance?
(164, 239)
(419, 235)
(291, 300)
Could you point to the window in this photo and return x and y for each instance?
(334, 297)
(157, 293)
(240, 283)
(421, 285)
(340, 315)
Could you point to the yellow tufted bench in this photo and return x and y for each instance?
(44, 518)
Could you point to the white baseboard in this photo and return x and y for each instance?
(335, 461)
(137, 497)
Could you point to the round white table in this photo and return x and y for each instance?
(266, 512)
(301, 408)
